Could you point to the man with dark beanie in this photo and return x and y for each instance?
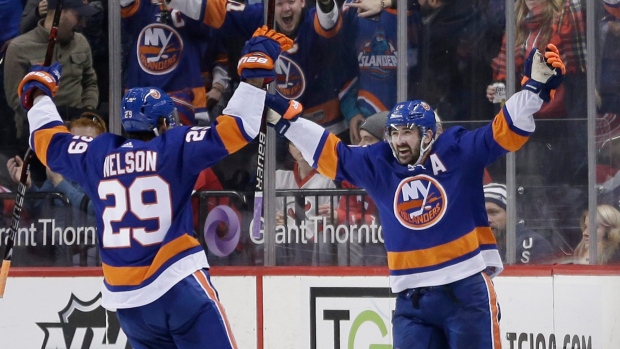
(532, 248)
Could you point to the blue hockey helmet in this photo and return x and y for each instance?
(413, 113)
(409, 114)
(142, 108)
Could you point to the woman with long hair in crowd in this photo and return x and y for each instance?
(607, 235)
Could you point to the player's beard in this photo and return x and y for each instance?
(410, 157)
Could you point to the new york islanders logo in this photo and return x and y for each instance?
(154, 93)
(290, 79)
(419, 202)
(159, 49)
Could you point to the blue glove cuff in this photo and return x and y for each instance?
(258, 73)
(277, 103)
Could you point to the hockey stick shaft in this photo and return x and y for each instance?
(262, 145)
(51, 42)
(17, 211)
(23, 177)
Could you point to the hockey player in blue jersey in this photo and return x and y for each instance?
(428, 190)
(155, 272)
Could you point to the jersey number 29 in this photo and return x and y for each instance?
(131, 200)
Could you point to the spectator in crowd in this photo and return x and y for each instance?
(608, 87)
(9, 21)
(607, 237)
(453, 65)
(561, 23)
(554, 158)
(166, 50)
(309, 72)
(91, 125)
(215, 74)
(78, 90)
(613, 7)
(539, 23)
(608, 106)
(93, 27)
(304, 240)
(34, 11)
(531, 247)
(370, 53)
(575, 101)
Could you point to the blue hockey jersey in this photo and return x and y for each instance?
(371, 45)
(433, 215)
(140, 191)
(309, 72)
(167, 53)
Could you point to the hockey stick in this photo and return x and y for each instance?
(262, 144)
(23, 177)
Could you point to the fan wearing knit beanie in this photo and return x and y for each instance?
(373, 128)
(531, 248)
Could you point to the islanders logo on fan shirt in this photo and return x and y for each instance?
(159, 49)
(420, 202)
(290, 79)
(378, 56)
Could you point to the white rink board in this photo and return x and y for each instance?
(31, 304)
(304, 311)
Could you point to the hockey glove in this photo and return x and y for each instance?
(544, 74)
(40, 78)
(260, 53)
(282, 112)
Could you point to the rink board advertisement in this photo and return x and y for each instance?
(561, 311)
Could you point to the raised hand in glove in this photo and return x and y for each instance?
(282, 112)
(260, 53)
(544, 73)
(40, 78)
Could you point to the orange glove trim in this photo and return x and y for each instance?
(285, 42)
(255, 60)
(294, 109)
(42, 77)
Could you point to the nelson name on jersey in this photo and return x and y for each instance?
(134, 161)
